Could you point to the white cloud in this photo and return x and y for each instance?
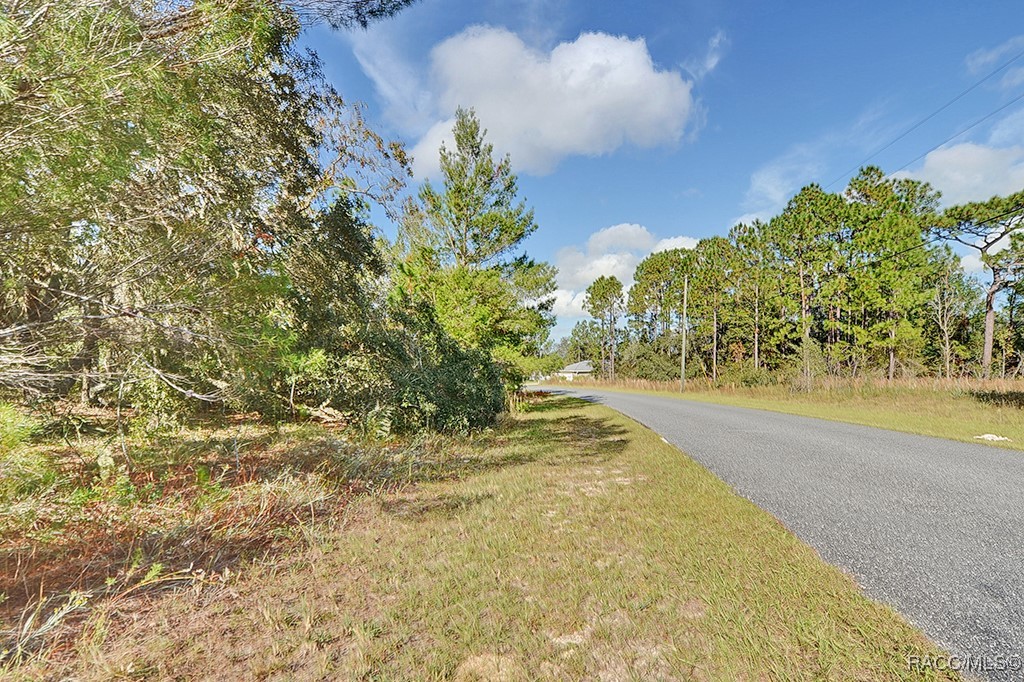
(972, 172)
(1008, 131)
(991, 58)
(611, 251)
(968, 171)
(569, 304)
(774, 183)
(976, 171)
(586, 97)
(628, 236)
(578, 268)
(979, 170)
(407, 104)
(1013, 78)
(747, 218)
(971, 263)
(716, 46)
(675, 243)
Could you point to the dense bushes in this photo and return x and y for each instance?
(183, 213)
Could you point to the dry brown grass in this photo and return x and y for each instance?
(184, 508)
(570, 543)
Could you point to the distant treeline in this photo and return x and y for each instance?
(859, 283)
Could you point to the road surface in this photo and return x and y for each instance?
(934, 528)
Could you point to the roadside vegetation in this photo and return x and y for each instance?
(853, 305)
(82, 525)
(858, 285)
(568, 542)
(205, 343)
(185, 215)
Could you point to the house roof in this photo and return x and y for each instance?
(579, 367)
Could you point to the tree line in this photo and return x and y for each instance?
(859, 283)
(184, 223)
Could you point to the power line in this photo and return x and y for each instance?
(928, 118)
(953, 137)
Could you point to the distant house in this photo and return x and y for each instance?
(576, 369)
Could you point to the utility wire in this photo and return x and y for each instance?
(953, 137)
(928, 118)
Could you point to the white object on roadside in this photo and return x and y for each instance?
(991, 436)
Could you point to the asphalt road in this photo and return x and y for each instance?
(935, 528)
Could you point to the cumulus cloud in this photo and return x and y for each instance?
(971, 264)
(625, 236)
(976, 171)
(979, 170)
(972, 172)
(968, 171)
(674, 243)
(569, 304)
(611, 251)
(774, 182)
(585, 97)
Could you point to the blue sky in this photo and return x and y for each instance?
(640, 126)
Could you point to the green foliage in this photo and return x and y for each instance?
(15, 428)
(656, 297)
(475, 220)
(451, 388)
(185, 205)
(648, 361)
(459, 254)
(351, 13)
(993, 230)
(847, 284)
(585, 342)
(604, 301)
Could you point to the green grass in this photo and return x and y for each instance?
(956, 412)
(570, 543)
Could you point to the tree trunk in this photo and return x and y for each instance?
(805, 331)
(947, 350)
(990, 329)
(757, 330)
(611, 332)
(613, 353)
(604, 348)
(892, 353)
(714, 347)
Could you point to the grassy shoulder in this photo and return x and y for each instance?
(570, 543)
(953, 411)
